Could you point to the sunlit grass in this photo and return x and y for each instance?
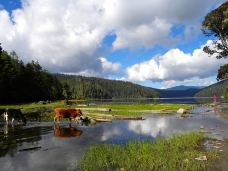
(142, 106)
(45, 111)
(176, 153)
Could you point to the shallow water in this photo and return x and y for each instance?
(41, 146)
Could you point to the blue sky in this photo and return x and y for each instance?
(150, 43)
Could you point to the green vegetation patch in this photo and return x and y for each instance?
(44, 112)
(176, 153)
(142, 106)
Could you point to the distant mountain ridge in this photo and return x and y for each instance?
(183, 87)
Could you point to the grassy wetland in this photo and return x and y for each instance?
(176, 153)
(44, 112)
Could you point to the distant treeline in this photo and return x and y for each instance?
(21, 82)
(218, 89)
(91, 87)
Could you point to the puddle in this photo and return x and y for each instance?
(43, 146)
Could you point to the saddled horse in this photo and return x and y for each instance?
(13, 114)
(60, 113)
(65, 132)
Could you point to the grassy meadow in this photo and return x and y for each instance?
(44, 112)
(176, 153)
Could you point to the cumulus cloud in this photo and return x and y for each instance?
(175, 65)
(66, 35)
(109, 67)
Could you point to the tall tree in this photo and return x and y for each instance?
(216, 24)
(223, 72)
(21, 82)
(0, 49)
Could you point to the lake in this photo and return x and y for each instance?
(43, 146)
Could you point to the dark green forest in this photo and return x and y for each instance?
(218, 89)
(21, 82)
(90, 87)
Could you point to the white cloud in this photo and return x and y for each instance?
(67, 35)
(109, 67)
(143, 35)
(175, 65)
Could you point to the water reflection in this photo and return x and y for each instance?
(151, 126)
(13, 136)
(66, 132)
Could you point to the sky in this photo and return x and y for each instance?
(152, 43)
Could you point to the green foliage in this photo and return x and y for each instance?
(226, 95)
(98, 88)
(66, 91)
(222, 72)
(216, 24)
(21, 82)
(176, 153)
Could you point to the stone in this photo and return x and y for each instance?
(182, 111)
(201, 158)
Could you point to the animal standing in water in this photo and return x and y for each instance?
(60, 113)
(13, 114)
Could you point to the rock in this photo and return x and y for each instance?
(201, 158)
(92, 121)
(92, 104)
(182, 111)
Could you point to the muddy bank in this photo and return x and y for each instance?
(221, 163)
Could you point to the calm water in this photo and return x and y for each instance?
(41, 146)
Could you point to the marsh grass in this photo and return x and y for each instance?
(137, 109)
(143, 106)
(44, 112)
(176, 153)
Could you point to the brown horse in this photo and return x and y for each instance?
(60, 113)
(66, 132)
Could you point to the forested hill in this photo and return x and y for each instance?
(178, 93)
(217, 89)
(21, 82)
(91, 87)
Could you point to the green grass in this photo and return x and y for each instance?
(44, 112)
(137, 109)
(142, 106)
(33, 105)
(176, 153)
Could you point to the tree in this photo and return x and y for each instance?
(216, 24)
(66, 91)
(222, 72)
(21, 82)
(0, 49)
